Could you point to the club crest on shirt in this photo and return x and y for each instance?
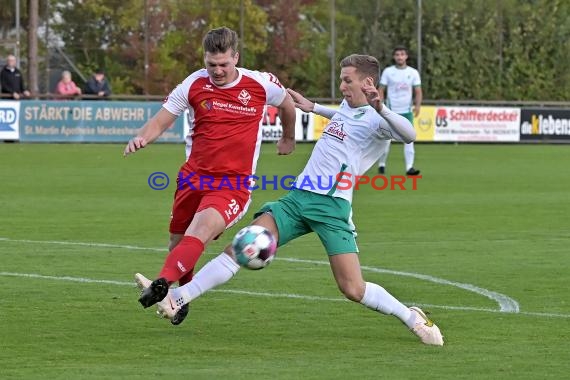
(335, 130)
(359, 114)
(244, 97)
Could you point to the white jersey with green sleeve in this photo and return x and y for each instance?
(399, 84)
(350, 144)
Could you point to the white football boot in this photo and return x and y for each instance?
(425, 329)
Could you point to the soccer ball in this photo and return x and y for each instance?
(254, 247)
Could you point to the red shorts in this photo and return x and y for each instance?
(231, 204)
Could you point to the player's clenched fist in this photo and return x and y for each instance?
(285, 146)
(134, 144)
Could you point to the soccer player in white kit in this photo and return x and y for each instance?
(317, 203)
(402, 83)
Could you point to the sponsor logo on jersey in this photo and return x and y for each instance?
(402, 86)
(208, 87)
(335, 130)
(206, 104)
(233, 108)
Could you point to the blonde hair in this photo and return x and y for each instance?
(366, 65)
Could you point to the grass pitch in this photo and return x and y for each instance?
(486, 230)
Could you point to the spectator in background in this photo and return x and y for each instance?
(12, 81)
(98, 85)
(66, 87)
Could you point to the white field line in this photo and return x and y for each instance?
(97, 245)
(267, 294)
(506, 304)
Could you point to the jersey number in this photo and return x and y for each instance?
(233, 209)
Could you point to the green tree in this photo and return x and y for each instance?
(92, 30)
(284, 52)
(110, 34)
(179, 50)
(481, 49)
(537, 35)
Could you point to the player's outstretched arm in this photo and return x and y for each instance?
(399, 127)
(287, 114)
(152, 129)
(300, 101)
(306, 105)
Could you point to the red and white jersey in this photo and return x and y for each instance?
(225, 134)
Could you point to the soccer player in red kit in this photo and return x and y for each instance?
(226, 105)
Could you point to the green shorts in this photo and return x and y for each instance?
(300, 212)
(409, 116)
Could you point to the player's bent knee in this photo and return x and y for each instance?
(352, 291)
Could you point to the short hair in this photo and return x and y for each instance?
(400, 48)
(65, 72)
(220, 40)
(366, 65)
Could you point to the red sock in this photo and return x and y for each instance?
(182, 259)
(186, 278)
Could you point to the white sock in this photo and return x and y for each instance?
(216, 272)
(409, 155)
(378, 299)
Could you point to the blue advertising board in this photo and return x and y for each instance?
(89, 121)
(9, 111)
